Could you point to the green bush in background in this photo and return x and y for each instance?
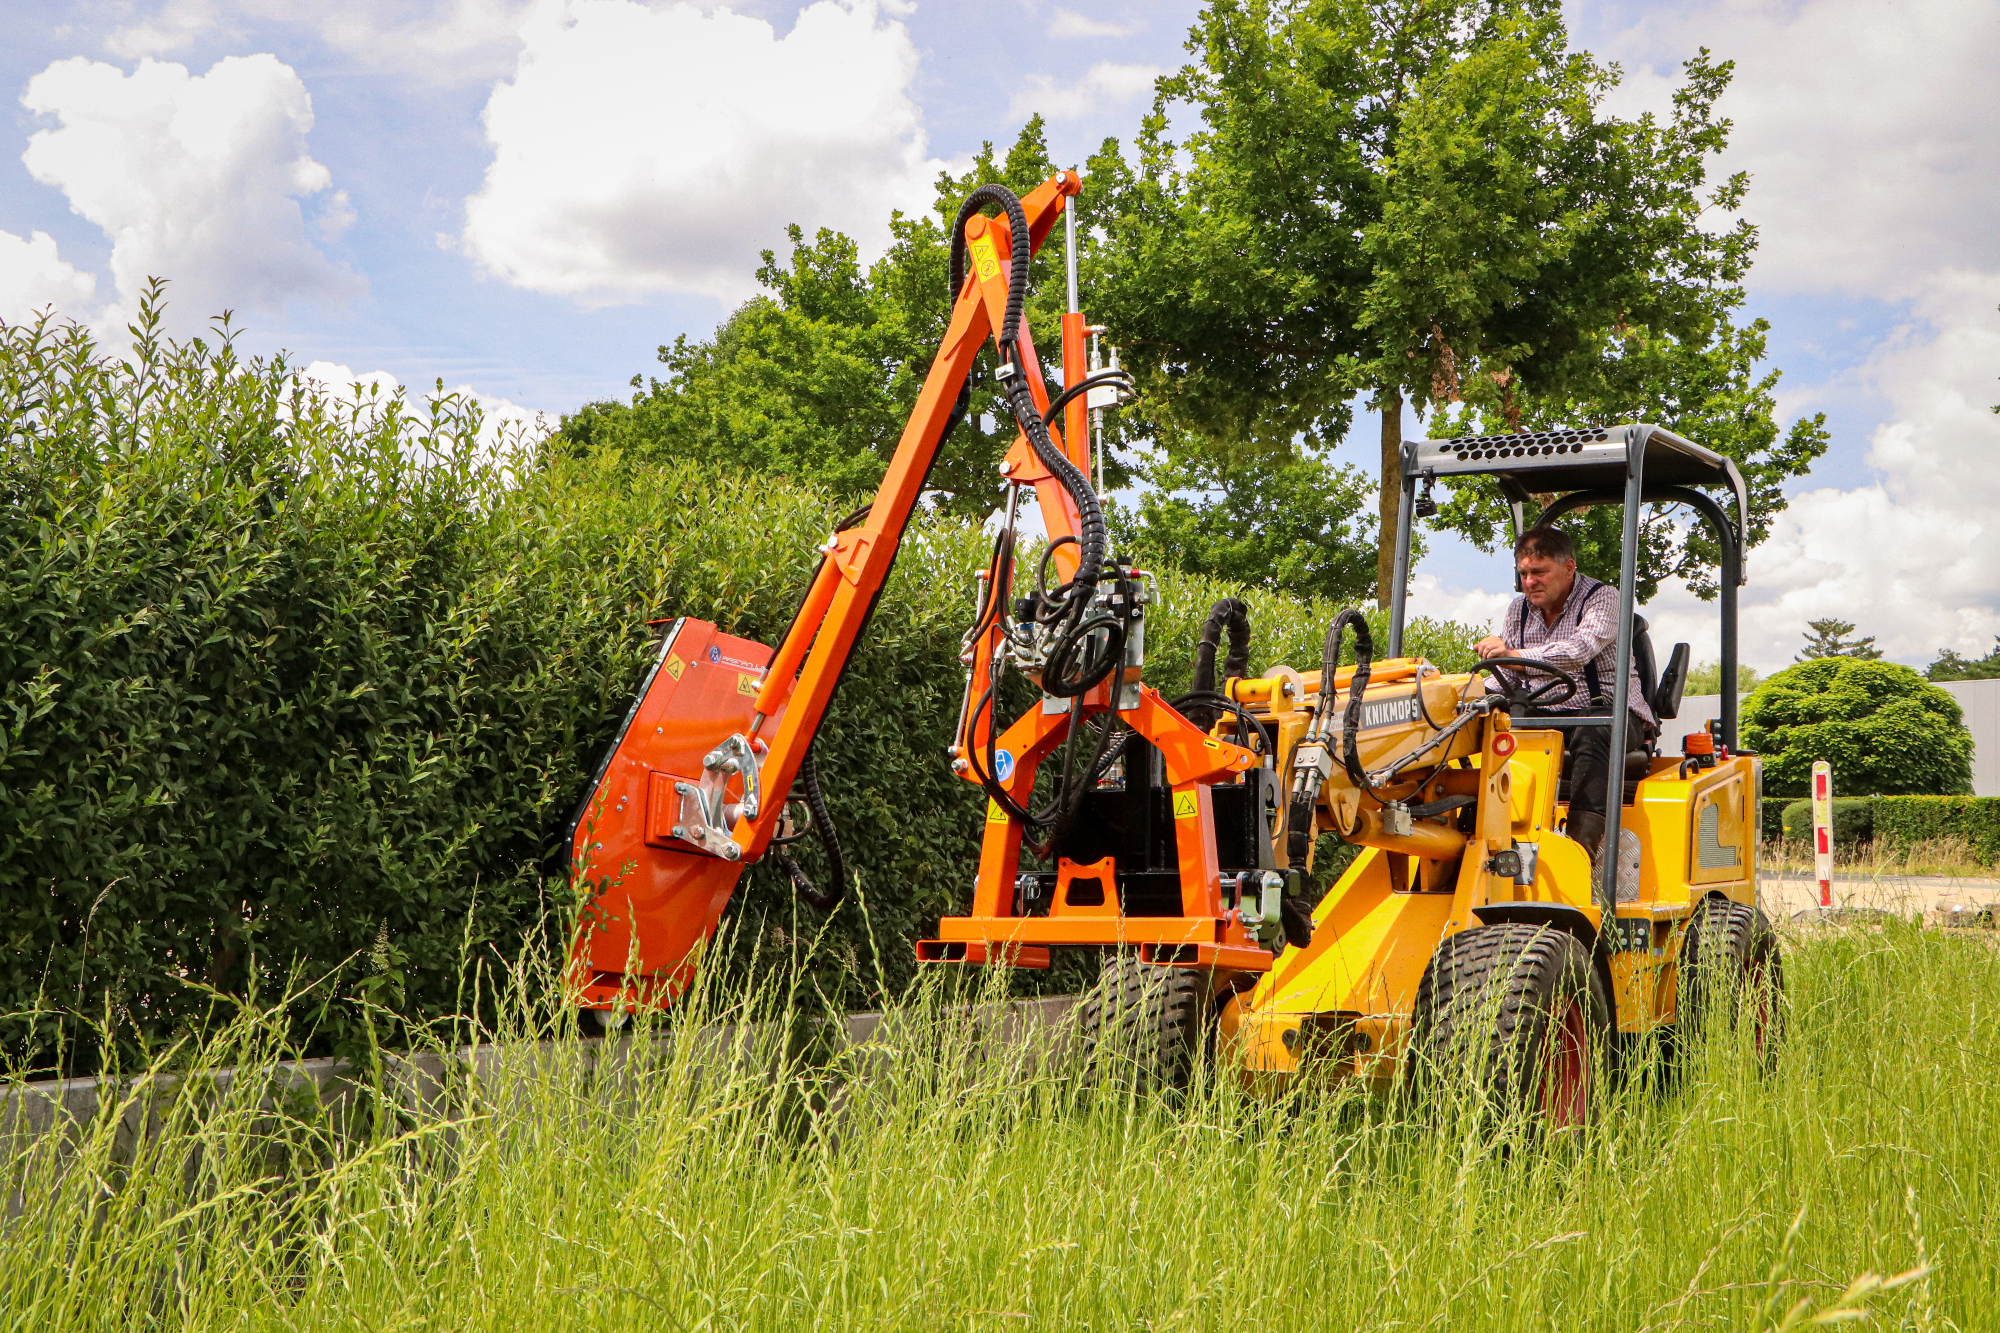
(1853, 821)
(1904, 821)
(292, 687)
(1883, 727)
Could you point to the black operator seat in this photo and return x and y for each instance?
(1662, 689)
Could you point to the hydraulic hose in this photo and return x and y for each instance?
(829, 839)
(1305, 783)
(1233, 614)
(1364, 658)
(1118, 378)
(1093, 538)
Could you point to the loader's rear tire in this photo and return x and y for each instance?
(1148, 1026)
(1732, 971)
(1518, 1015)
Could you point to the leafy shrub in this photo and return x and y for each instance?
(1899, 823)
(1883, 727)
(298, 687)
(1853, 821)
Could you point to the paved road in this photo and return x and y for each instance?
(1937, 896)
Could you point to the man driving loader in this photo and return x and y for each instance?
(1571, 621)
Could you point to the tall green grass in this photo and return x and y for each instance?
(725, 1171)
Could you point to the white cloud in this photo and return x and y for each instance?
(168, 28)
(442, 40)
(1107, 84)
(1474, 607)
(33, 277)
(194, 179)
(1866, 128)
(335, 217)
(1068, 23)
(1915, 557)
(639, 151)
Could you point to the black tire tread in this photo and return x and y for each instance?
(1164, 1015)
(1459, 1017)
(1723, 941)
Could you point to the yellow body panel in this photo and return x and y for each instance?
(1345, 1002)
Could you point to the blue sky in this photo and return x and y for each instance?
(527, 198)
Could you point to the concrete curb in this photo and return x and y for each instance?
(423, 1084)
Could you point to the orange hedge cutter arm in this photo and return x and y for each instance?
(694, 787)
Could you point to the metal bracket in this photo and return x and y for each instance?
(707, 815)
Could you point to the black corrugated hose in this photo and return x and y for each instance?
(829, 839)
(1299, 822)
(1234, 614)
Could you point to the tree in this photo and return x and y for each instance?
(1397, 200)
(1885, 729)
(1706, 678)
(1828, 638)
(1708, 389)
(1290, 524)
(1950, 666)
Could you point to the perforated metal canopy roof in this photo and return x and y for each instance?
(1579, 460)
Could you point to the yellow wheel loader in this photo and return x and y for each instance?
(1470, 922)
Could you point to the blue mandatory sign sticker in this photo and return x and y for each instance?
(1003, 764)
(714, 653)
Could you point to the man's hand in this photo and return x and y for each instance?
(1491, 646)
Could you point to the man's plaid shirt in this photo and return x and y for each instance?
(1583, 637)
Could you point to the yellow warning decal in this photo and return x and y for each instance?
(1211, 742)
(675, 666)
(984, 261)
(745, 683)
(1185, 805)
(994, 814)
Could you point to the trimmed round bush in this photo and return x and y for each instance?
(1853, 821)
(1884, 728)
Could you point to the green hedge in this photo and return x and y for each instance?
(1905, 821)
(293, 689)
(1853, 820)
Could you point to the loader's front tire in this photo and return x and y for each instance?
(1732, 971)
(1148, 1026)
(1516, 1017)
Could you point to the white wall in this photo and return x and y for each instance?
(1979, 698)
(1981, 701)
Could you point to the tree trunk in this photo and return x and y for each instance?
(1392, 493)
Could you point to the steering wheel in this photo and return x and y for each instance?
(1541, 696)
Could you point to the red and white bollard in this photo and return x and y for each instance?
(1822, 814)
